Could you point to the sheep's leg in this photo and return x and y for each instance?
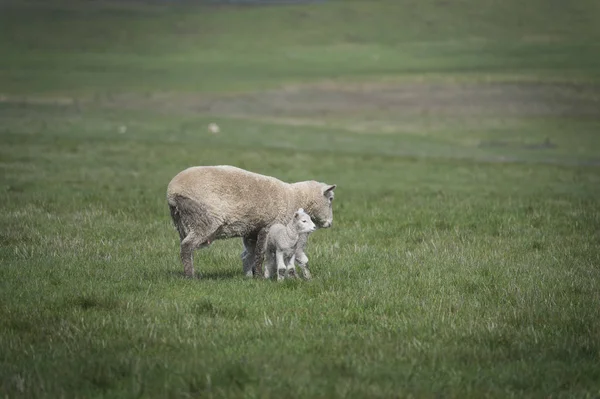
(270, 266)
(191, 242)
(273, 265)
(281, 269)
(302, 261)
(259, 252)
(187, 257)
(195, 228)
(248, 256)
(291, 268)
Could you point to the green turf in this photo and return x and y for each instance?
(464, 258)
(84, 46)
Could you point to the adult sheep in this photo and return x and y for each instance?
(209, 203)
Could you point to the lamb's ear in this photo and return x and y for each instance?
(327, 189)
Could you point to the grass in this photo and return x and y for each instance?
(463, 261)
(114, 47)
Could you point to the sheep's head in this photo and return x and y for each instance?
(303, 222)
(322, 207)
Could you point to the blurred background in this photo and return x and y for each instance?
(492, 80)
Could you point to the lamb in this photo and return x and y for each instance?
(209, 203)
(282, 244)
(300, 257)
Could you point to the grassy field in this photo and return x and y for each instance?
(464, 137)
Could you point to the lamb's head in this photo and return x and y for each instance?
(321, 204)
(303, 223)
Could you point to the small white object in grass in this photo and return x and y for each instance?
(122, 129)
(213, 128)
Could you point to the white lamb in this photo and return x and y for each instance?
(282, 244)
(301, 258)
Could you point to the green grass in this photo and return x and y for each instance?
(464, 257)
(82, 46)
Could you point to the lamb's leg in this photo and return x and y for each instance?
(280, 266)
(248, 256)
(259, 252)
(291, 268)
(302, 261)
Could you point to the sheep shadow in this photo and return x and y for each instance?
(226, 274)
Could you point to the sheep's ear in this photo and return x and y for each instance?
(327, 189)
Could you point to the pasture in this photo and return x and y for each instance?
(464, 138)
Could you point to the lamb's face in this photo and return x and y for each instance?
(322, 212)
(303, 222)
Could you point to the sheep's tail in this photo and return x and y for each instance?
(176, 216)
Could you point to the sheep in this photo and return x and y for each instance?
(209, 203)
(282, 244)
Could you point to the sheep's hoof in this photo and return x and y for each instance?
(280, 274)
(306, 274)
(292, 273)
(254, 274)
